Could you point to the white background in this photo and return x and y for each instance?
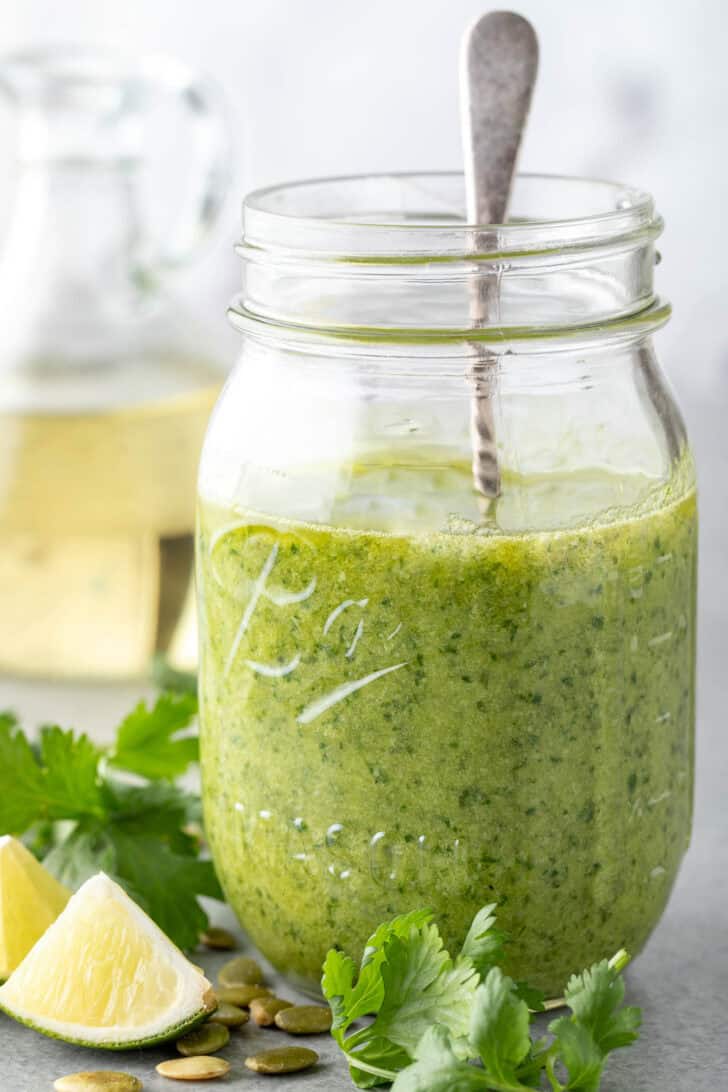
(636, 91)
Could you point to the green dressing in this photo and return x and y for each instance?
(445, 718)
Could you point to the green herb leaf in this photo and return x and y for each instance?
(597, 1025)
(422, 987)
(499, 1026)
(148, 741)
(84, 852)
(380, 1056)
(433, 1017)
(438, 1069)
(56, 781)
(579, 1053)
(594, 998)
(484, 944)
(71, 778)
(350, 1002)
(410, 982)
(337, 986)
(156, 808)
(80, 819)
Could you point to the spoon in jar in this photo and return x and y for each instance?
(498, 65)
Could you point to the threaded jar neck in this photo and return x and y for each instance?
(391, 257)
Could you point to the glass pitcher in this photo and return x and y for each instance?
(411, 697)
(104, 396)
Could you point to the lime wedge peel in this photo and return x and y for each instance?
(104, 975)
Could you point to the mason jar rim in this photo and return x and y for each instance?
(375, 215)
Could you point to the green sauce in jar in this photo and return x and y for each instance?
(425, 717)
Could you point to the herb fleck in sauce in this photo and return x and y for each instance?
(392, 720)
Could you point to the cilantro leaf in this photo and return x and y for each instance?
(499, 1026)
(22, 806)
(422, 986)
(156, 807)
(579, 1053)
(485, 947)
(70, 772)
(148, 741)
(484, 944)
(84, 852)
(594, 998)
(597, 1025)
(438, 1069)
(337, 986)
(434, 1016)
(373, 1059)
(411, 983)
(80, 818)
(348, 1001)
(56, 781)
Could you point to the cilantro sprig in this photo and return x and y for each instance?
(434, 1017)
(78, 809)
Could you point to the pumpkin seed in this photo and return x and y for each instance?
(101, 1080)
(304, 1019)
(218, 939)
(204, 1040)
(198, 1068)
(240, 995)
(241, 971)
(229, 1015)
(264, 1009)
(282, 1060)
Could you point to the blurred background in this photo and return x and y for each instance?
(634, 92)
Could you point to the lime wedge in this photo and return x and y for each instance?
(104, 975)
(30, 900)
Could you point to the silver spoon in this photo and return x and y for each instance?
(498, 65)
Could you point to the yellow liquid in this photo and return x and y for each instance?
(96, 522)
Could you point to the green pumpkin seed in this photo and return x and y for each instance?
(241, 971)
(218, 939)
(240, 995)
(304, 1019)
(102, 1080)
(264, 1010)
(229, 1015)
(199, 1068)
(282, 1060)
(204, 1040)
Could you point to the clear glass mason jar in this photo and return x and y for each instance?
(412, 696)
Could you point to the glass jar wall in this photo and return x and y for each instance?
(413, 695)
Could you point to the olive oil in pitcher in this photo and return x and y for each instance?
(105, 395)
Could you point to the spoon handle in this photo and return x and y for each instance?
(498, 65)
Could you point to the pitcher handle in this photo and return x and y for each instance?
(203, 104)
